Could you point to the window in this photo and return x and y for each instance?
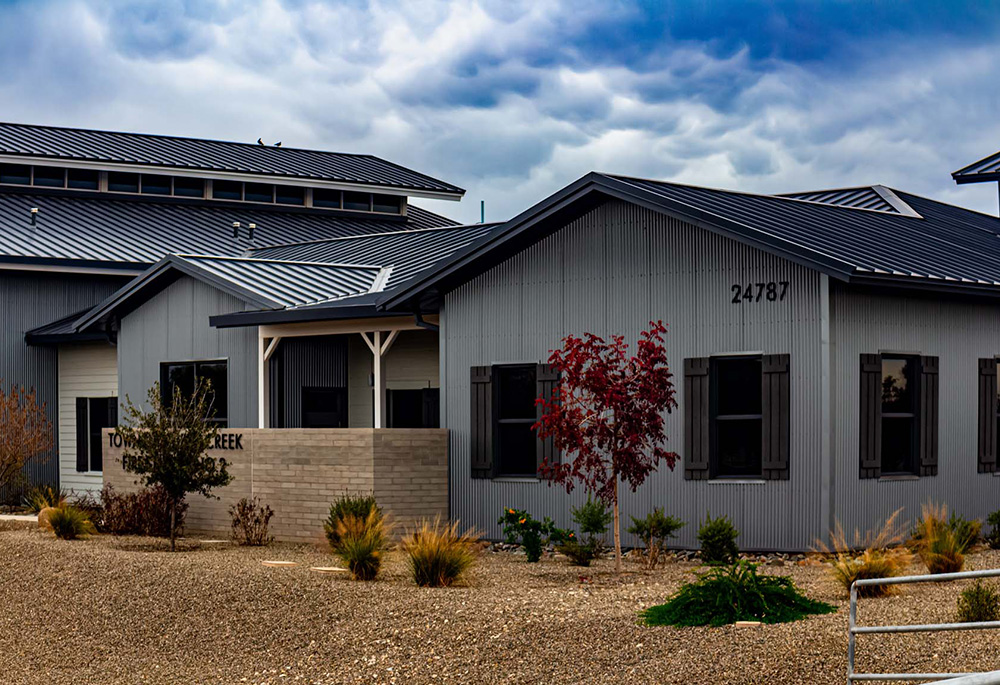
(413, 408)
(93, 415)
(83, 179)
(290, 195)
(514, 415)
(189, 187)
(326, 198)
(736, 418)
(258, 192)
(900, 412)
(19, 174)
(50, 177)
(186, 376)
(386, 203)
(324, 407)
(357, 201)
(227, 190)
(123, 183)
(153, 184)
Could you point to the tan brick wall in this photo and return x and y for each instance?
(299, 471)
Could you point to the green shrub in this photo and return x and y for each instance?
(578, 553)
(518, 525)
(593, 518)
(43, 497)
(361, 543)
(979, 602)
(250, 523)
(718, 540)
(879, 554)
(728, 594)
(358, 506)
(993, 538)
(143, 512)
(69, 523)
(439, 554)
(934, 541)
(654, 530)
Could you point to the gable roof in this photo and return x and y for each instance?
(940, 247)
(132, 233)
(263, 283)
(985, 169)
(72, 145)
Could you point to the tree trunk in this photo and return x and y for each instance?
(173, 524)
(618, 535)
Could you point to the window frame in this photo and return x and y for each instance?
(913, 416)
(165, 398)
(88, 419)
(498, 461)
(714, 417)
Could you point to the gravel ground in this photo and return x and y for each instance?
(122, 610)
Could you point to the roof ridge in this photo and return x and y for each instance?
(296, 262)
(334, 239)
(946, 204)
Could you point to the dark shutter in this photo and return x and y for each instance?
(481, 430)
(696, 419)
(546, 380)
(870, 420)
(928, 416)
(987, 415)
(82, 435)
(431, 407)
(776, 409)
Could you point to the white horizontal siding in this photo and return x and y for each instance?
(84, 371)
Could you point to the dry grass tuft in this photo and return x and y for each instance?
(361, 541)
(879, 553)
(439, 554)
(935, 542)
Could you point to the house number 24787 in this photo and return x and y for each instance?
(771, 291)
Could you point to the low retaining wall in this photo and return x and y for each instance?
(298, 472)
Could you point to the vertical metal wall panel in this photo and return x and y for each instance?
(319, 361)
(959, 333)
(29, 300)
(173, 326)
(612, 271)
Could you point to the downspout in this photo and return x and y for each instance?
(418, 319)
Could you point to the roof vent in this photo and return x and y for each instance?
(236, 229)
(252, 228)
(34, 216)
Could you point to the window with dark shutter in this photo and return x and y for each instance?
(776, 410)
(870, 418)
(481, 428)
(696, 418)
(737, 435)
(82, 436)
(515, 444)
(901, 413)
(989, 415)
(546, 379)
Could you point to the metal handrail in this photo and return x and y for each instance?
(992, 678)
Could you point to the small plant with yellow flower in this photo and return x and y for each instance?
(519, 526)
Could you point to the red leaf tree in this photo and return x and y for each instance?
(606, 416)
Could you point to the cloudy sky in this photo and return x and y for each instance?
(512, 100)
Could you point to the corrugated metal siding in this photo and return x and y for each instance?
(612, 271)
(959, 333)
(30, 300)
(84, 371)
(173, 326)
(319, 361)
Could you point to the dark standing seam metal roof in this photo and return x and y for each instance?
(211, 156)
(864, 197)
(62, 331)
(939, 247)
(986, 169)
(134, 231)
(407, 252)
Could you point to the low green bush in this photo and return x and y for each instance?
(69, 523)
(250, 520)
(438, 554)
(362, 542)
(979, 602)
(733, 593)
(593, 518)
(579, 553)
(718, 540)
(520, 527)
(44, 497)
(993, 537)
(654, 530)
(358, 506)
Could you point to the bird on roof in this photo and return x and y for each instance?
(278, 144)
(260, 142)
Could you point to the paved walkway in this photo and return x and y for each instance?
(19, 517)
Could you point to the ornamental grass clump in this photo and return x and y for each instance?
(438, 554)
(45, 497)
(726, 594)
(654, 530)
(69, 523)
(937, 543)
(250, 523)
(354, 505)
(361, 543)
(878, 553)
(979, 602)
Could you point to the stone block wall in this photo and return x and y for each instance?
(298, 472)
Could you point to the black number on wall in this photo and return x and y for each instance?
(772, 291)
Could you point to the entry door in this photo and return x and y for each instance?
(324, 407)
